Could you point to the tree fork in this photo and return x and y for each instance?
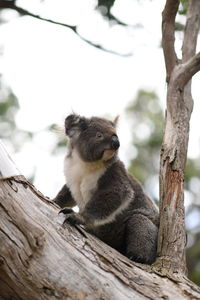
(172, 238)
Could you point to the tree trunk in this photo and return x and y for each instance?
(172, 237)
(39, 259)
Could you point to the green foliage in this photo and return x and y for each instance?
(147, 121)
(8, 108)
(14, 137)
(193, 259)
(192, 170)
(107, 3)
(183, 7)
(179, 26)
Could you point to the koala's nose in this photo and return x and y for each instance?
(115, 142)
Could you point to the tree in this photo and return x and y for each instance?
(147, 121)
(38, 260)
(172, 238)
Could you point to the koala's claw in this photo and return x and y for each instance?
(66, 210)
(72, 217)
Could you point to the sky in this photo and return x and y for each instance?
(53, 72)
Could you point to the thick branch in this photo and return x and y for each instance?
(42, 260)
(168, 35)
(24, 12)
(39, 259)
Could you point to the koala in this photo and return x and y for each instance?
(112, 204)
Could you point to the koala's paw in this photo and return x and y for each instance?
(71, 217)
(66, 210)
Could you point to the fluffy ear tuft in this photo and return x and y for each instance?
(116, 120)
(70, 124)
(74, 124)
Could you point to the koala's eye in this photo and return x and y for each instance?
(99, 135)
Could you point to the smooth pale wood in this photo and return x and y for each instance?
(39, 259)
(7, 166)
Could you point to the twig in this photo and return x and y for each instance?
(24, 12)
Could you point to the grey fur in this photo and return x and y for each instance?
(115, 209)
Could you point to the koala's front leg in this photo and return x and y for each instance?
(100, 210)
(64, 198)
(72, 217)
(96, 211)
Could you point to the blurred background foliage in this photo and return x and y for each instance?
(146, 118)
(9, 106)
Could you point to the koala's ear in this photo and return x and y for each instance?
(115, 122)
(74, 124)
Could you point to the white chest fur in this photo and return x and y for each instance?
(82, 178)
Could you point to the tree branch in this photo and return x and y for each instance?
(191, 30)
(168, 35)
(185, 71)
(190, 41)
(24, 12)
(42, 260)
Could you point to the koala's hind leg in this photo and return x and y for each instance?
(64, 198)
(141, 239)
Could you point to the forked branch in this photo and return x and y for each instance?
(171, 244)
(187, 70)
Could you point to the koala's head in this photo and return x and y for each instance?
(94, 139)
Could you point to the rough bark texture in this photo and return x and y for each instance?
(172, 238)
(39, 259)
